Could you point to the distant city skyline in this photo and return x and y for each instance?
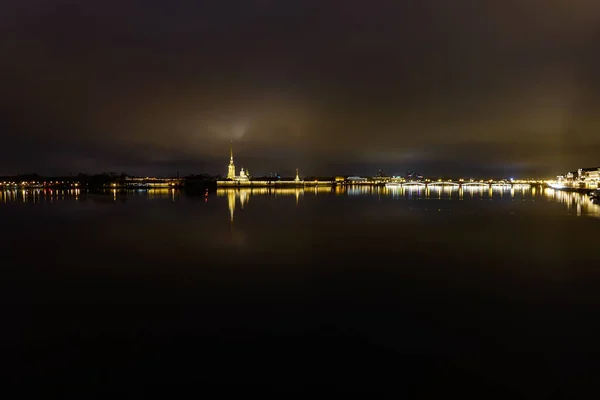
(213, 165)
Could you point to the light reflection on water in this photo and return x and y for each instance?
(579, 204)
(38, 195)
(370, 260)
(53, 195)
(576, 203)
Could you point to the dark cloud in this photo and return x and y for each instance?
(320, 85)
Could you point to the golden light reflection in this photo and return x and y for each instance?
(581, 203)
(158, 193)
(36, 195)
(243, 195)
(440, 192)
(323, 189)
(231, 203)
(577, 204)
(357, 190)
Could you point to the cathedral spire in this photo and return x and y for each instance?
(231, 167)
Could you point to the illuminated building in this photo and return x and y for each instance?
(589, 177)
(242, 177)
(413, 176)
(357, 179)
(584, 178)
(231, 168)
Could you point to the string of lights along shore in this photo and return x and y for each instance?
(583, 179)
(244, 179)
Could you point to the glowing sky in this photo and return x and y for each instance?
(444, 87)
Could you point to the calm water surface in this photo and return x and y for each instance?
(409, 290)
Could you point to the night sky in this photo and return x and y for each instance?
(470, 88)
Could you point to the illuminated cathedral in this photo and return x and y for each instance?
(243, 176)
(244, 179)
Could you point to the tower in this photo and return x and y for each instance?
(297, 176)
(231, 168)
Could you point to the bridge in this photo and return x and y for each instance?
(457, 184)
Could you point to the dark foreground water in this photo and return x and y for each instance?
(425, 294)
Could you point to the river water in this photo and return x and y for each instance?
(412, 291)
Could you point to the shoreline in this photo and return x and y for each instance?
(272, 184)
(570, 189)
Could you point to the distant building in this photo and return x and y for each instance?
(243, 176)
(357, 179)
(244, 179)
(413, 176)
(231, 168)
(590, 177)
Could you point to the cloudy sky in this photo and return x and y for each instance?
(481, 88)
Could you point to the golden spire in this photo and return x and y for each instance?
(231, 168)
